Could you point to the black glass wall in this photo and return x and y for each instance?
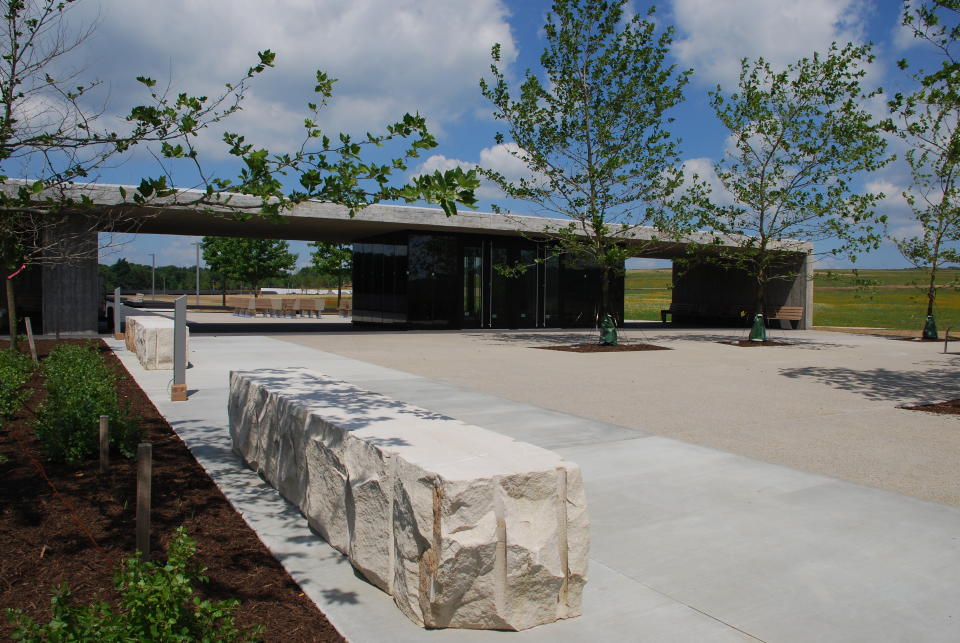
(432, 280)
(433, 273)
(380, 282)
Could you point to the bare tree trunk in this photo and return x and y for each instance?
(932, 289)
(761, 294)
(604, 292)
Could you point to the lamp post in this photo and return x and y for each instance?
(153, 278)
(197, 244)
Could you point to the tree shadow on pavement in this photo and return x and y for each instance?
(884, 384)
(540, 338)
(733, 335)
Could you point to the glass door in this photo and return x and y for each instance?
(472, 286)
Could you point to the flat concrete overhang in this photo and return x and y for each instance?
(319, 221)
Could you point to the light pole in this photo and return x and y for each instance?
(153, 278)
(197, 244)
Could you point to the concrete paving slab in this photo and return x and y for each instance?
(801, 557)
(543, 427)
(689, 543)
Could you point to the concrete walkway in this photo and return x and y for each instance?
(689, 543)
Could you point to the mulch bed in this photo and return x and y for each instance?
(951, 407)
(746, 343)
(600, 348)
(78, 534)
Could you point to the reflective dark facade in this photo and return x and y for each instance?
(434, 280)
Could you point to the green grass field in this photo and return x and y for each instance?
(866, 298)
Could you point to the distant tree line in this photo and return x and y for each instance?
(134, 276)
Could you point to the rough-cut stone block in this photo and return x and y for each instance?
(463, 526)
(151, 338)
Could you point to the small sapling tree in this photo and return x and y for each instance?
(929, 121)
(799, 139)
(592, 130)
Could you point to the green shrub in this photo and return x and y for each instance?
(80, 388)
(15, 371)
(157, 603)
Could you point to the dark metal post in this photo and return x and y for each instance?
(178, 392)
(116, 314)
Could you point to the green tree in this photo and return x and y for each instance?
(592, 130)
(929, 120)
(66, 142)
(248, 261)
(334, 259)
(800, 137)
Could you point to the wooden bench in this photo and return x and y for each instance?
(263, 306)
(788, 314)
(312, 307)
(346, 308)
(239, 304)
(462, 526)
(679, 309)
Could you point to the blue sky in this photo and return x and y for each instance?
(396, 56)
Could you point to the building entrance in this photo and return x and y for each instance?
(427, 280)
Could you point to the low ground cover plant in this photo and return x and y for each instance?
(15, 372)
(80, 388)
(158, 602)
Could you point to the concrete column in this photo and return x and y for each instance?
(70, 279)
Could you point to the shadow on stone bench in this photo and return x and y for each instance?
(464, 527)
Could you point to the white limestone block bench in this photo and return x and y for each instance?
(464, 527)
(151, 338)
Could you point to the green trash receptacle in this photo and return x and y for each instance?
(930, 328)
(758, 332)
(608, 331)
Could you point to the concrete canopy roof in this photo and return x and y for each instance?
(319, 221)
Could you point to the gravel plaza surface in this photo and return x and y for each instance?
(827, 403)
(774, 493)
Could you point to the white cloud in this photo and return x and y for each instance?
(703, 169)
(442, 163)
(900, 220)
(506, 158)
(714, 35)
(893, 193)
(487, 190)
(390, 56)
(902, 35)
(498, 157)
